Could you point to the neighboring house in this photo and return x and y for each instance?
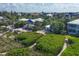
(19, 30)
(19, 14)
(47, 28)
(38, 19)
(67, 16)
(1, 18)
(73, 27)
(35, 14)
(50, 15)
(28, 27)
(32, 20)
(23, 19)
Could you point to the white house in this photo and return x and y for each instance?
(38, 19)
(33, 20)
(19, 30)
(1, 18)
(50, 15)
(73, 27)
(23, 19)
(47, 28)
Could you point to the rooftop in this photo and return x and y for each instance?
(1, 17)
(49, 15)
(33, 20)
(74, 22)
(23, 19)
(47, 26)
(39, 19)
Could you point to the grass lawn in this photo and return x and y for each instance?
(51, 44)
(28, 38)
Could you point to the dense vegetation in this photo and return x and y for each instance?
(73, 48)
(19, 24)
(58, 27)
(38, 26)
(23, 52)
(50, 44)
(28, 38)
(7, 42)
(19, 52)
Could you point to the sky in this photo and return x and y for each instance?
(40, 7)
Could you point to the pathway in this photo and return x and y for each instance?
(32, 45)
(41, 32)
(64, 47)
(3, 54)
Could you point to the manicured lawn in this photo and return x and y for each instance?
(28, 38)
(51, 44)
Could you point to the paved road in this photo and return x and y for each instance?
(32, 45)
(64, 47)
(41, 32)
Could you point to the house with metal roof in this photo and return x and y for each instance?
(47, 28)
(49, 14)
(1, 18)
(23, 19)
(73, 27)
(30, 23)
(32, 20)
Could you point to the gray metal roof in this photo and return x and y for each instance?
(74, 22)
(1, 17)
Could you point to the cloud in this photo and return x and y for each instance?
(39, 7)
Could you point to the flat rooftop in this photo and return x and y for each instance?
(74, 22)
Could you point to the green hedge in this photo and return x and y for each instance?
(23, 52)
(19, 52)
(73, 49)
(28, 38)
(50, 44)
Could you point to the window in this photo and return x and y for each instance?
(72, 25)
(77, 32)
(78, 26)
(72, 30)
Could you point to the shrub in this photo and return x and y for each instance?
(23, 52)
(28, 38)
(50, 44)
(19, 52)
